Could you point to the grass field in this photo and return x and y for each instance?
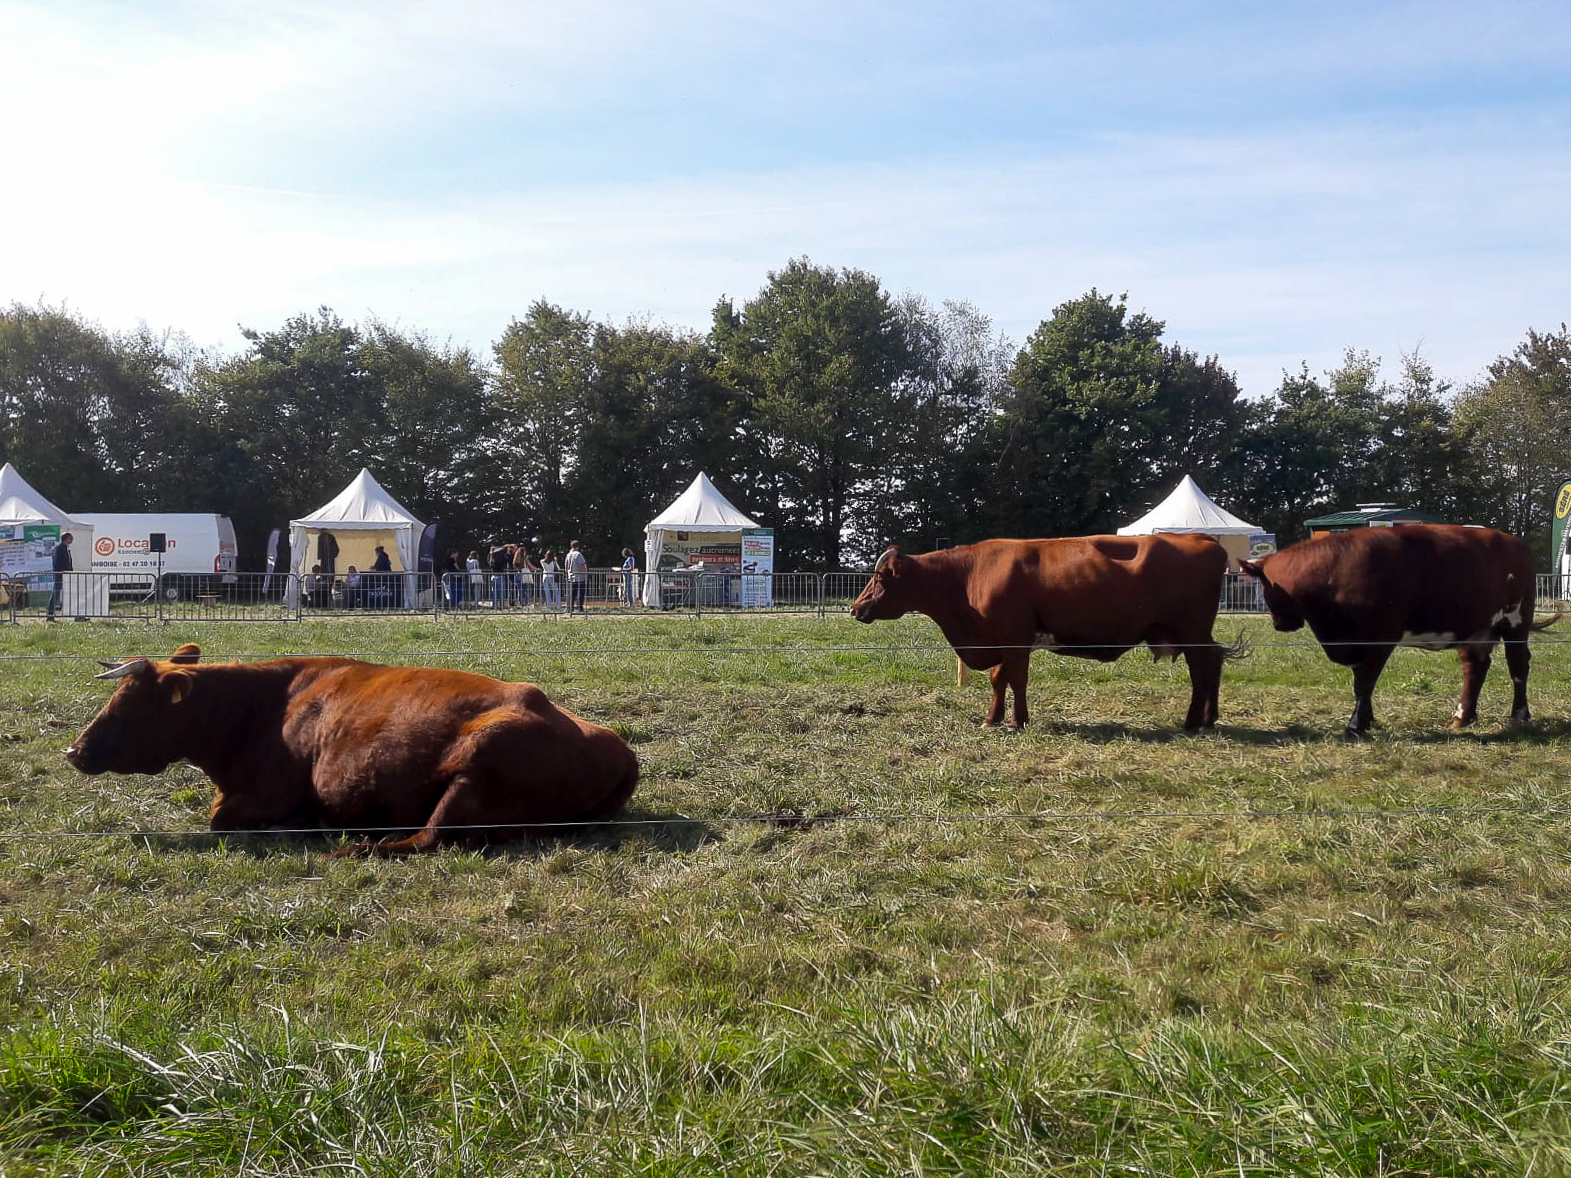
(1097, 946)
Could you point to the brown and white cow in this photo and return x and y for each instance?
(1363, 593)
(1091, 597)
(343, 744)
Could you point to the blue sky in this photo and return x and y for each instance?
(1277, 182)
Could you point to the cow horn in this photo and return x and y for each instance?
(884, 558)
(121, 670)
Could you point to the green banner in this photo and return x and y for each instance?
(1557, 527)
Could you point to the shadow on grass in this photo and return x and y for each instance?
(1538, 732)
(1111, 733)
(643, 828)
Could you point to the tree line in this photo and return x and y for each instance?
(840, 415)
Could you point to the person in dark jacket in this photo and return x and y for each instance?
(60, 561)
(453, 576)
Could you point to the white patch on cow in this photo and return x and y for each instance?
(1441, 641)
(1514, 616)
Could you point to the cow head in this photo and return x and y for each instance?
(1285, 612)
(142, 727)
(885, 595)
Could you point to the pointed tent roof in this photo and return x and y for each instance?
(20, 503)
(1187, 509)
(701, 508)
(362, 504)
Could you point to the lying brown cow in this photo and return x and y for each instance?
(1092, 597)
(337, 743)
(1366, 592)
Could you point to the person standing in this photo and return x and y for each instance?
(524, 574)
(60, 562)
(501, 565)
(577, 577)
(476, 577)
(379, 588)
(629, 567)
(453, 575)
(548, 586)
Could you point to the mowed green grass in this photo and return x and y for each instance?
(1098, 946)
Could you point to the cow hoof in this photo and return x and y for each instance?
(1457, 723)
(1355, 733)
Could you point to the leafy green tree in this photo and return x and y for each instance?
(1515, 419)
(818, 358)
(545, 368)
(86, 416)
(1084, 430)
(655, 414)
(1423, 456)
(432, 441)
(934, 479)
(296, 416)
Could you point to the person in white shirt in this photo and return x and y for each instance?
(548, 582)
(577, 577)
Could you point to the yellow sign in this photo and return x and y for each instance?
(1563, 502)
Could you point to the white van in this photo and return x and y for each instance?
(199, 551)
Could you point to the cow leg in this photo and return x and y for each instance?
(1517, 659)
(1475, 660)
(1365, 673)
(454, 809)
(1010, 675)
(1205, 681)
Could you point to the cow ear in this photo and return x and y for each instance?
(189, 653)
(1253, 568)
(179, 685)
(899, 565)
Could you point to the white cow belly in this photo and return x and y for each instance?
(1445, 640)
(1045, 642)
(1514, 616)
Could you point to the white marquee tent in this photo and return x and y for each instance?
(700, 517)
(20, 506)
(359, 518)
(1189, 509)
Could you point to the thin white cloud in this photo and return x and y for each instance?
(191, 173)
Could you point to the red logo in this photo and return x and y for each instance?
(104, 546)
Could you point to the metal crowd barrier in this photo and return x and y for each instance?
(265, 597)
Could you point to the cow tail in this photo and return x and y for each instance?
(1545, 623)
(1238, 649)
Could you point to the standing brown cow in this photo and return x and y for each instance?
(1435, 586)
(337, 743)
(1092, 597)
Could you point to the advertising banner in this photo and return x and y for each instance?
(27, 552)
(1558, 530)
(717, 551)
(758, 566)
(1261, 544)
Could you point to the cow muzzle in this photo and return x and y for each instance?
(76, 757)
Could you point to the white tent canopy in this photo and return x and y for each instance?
(700, 508)
(21, 504)
(1188, 509)
(359, 517)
